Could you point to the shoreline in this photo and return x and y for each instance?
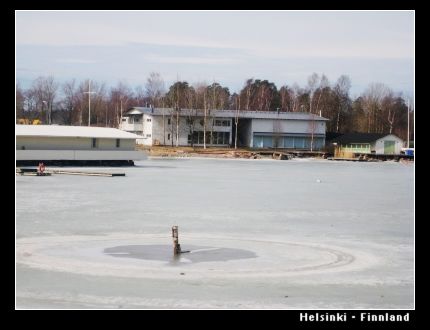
(158, 152)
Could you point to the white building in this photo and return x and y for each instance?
(164, 126)
(74, 144)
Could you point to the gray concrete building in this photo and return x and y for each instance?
(255, 129)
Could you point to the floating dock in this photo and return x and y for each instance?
(33, 172)
(85, 173)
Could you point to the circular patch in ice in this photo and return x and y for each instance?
(147, 256)
(191, 253)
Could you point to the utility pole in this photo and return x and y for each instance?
(89, 101)
(121, 98)
(236, 121)
(177, 126)
(407, 143)
(164, 126)
(204, 119)
(312, 131)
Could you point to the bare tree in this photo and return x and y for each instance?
(120, 98)
(164, 120)
(312, 129)
(70, 99)
(324, 85)
(154, 88)
(98, 103)
(276, 127)
(191, 114)
(236, 117)
(391, 116)
(388, 109)
(177, 100)
(202, 100)
(19, 102)
(312, 85)
(296, 92)
(247, 93)
(341, 88)
(205, 107)
(98, 100)
(372, 104)
(286, 95)
(45, 89)
(140, 96)
(31, 105)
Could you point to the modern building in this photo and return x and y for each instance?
(366, 143)
(255, 129)
(75, 145)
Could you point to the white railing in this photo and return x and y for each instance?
(131, 127)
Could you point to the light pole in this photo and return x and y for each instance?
(47, 115)
(121, 98)
(89, 101)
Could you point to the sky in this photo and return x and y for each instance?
(284, 47)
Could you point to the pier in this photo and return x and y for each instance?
(33, 172)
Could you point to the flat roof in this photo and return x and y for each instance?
(228, 113)
(73, 131)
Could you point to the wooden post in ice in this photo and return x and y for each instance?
(176, 245)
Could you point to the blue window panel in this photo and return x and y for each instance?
(319, 143)
(226, 137)
(299, 142)
(308, 143)
(278, 142)
(258, 141)
(288, 142)
(267, 142)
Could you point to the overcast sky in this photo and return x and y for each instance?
(285, 47)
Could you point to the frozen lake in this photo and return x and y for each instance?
(261, 233)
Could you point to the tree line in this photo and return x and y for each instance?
(377, 110)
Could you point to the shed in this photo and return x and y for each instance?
(383, 144)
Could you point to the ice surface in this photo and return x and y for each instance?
(325, 234)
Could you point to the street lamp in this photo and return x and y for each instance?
(89, 101)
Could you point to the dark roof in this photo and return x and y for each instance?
(229, 113)
(329, 136)
(358, 138)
